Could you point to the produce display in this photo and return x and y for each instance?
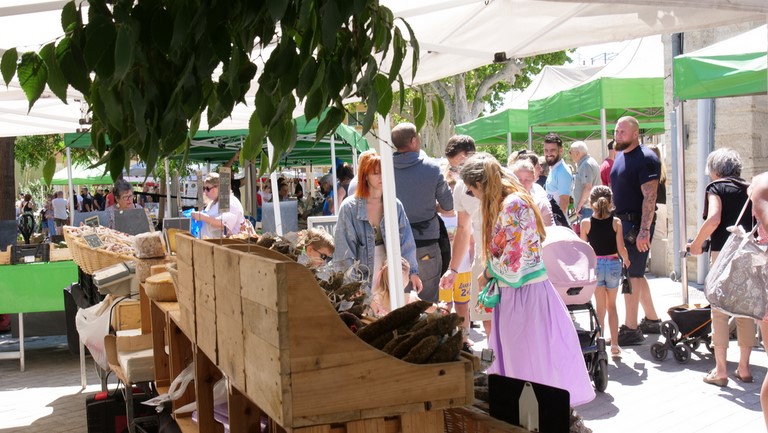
(408, 333)
(112, 240)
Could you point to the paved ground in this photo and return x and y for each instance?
(643, 395)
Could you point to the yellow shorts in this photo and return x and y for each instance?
(461, 288)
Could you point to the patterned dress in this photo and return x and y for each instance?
(532, 335)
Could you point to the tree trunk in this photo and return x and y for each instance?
(7, 179)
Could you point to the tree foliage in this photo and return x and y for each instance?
(149, 69)
(36, 150)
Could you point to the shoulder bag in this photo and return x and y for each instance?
(737, 283)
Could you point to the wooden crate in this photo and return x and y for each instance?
(205, 299)
(412, 422)
(472, 420)
(60, 254)
(185, 284)
(229, 316)
(303, 367)
(127, 315)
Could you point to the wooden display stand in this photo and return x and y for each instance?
(262, 321)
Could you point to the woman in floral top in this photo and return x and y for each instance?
(532, 335)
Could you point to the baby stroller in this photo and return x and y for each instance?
(689, 327)
(570, 264)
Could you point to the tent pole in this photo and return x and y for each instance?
(69, 183)
(275, 190)
(333, 170)
(530, 138)
(705, 144)
(167, 189)
(391, 229)
(354, 159)
(680, 244)
(603, 134)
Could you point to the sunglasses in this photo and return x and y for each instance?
(325, 258)
(208, 188)
(470, 193)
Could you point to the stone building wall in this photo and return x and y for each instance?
(741, 123)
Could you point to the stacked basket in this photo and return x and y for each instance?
(90, 259)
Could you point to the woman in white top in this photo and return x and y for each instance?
(219, 225)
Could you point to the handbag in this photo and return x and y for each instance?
(490, 296)
(626, 286)
(737, 284)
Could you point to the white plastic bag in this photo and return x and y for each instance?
(177, 387)
(93, 325)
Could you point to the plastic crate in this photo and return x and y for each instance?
(30, 253)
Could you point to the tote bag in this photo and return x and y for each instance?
(737, 284)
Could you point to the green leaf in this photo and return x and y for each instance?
(56, 81)
(162, 30)
(49, 169)
(414, 47)
(100, 34)
(399, 50)
(277, 8)
(72, 66)
(263, 163)
(384, 92)
(124, 51)
(69, 16)
(32, 76)
(194, 125)
(264, 105)
(8, 64)
(139, 108)
(333, 117)
(370, 112)
(314, 104)
(256, 135)
(330, 21)
(438, 110)
(116, 161)
(419, 112)
(401, 93)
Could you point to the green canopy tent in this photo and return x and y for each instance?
(220, 146)
(82, 176)
(510, 123)
(733, 67)
(631, 84)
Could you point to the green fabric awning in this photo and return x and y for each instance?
(493, 128)
(734, 67)
(219, 146)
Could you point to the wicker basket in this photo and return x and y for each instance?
(89, 259)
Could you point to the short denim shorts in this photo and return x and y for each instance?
(608, 273)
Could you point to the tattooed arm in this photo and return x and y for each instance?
(649, 190)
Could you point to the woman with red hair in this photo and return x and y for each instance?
(359, 234)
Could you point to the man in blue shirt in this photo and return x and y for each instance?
(560, 180)
(634, 182)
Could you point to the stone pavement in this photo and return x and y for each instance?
(643, 395)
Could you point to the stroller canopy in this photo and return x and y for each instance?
(570, 262)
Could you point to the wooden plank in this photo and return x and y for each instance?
(184, 243)
(186, 424)
(375, 425)
(471, 419)
(162, 371)
(127, 315)
(261, 321)
(181, 355)
(146, 315)
(229, 315)
(264, 381)
(205, 298)
(423, 422)
(244, 416)
(263, 280)
(186, 283)
(205, 322)
(187, 323)
(206, 376)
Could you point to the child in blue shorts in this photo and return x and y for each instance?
(603, 232)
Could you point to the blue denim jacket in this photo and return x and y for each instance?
(354, 237)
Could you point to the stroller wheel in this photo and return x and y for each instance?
(600, 376)
(659, 351)
(669, 329)
(682, 353)
(693, 344)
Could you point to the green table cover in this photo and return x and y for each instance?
(35, 287)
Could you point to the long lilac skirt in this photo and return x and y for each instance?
(534, 339)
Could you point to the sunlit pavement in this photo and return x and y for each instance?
(643, 395)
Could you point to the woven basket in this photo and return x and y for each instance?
(91, 260)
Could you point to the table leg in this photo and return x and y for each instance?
(83, 378)
(21, 340)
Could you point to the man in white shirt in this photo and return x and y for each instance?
(60, 211)
(560, 180)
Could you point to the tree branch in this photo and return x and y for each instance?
(511, 68)
(445, 94)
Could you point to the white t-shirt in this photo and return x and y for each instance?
(471, 205)
(450, 226)
(60, 205)
(233, 219)
(542, 201)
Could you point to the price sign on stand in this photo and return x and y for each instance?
(92, 221)
(93, 241)
(225, 182)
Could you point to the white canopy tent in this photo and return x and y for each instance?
(455, 36)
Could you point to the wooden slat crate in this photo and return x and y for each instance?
(472, 420)
(302, 366)
(185, 284)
